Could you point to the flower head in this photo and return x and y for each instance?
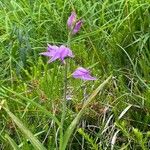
(71, 20)
(83, 74)
(55, 52)
(77, 26)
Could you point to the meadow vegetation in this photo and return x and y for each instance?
(113, 43)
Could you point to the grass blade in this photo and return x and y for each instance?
(124, 111)
(12, 142)
(35, 104)
(35, 142)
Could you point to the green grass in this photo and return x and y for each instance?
(114, 40)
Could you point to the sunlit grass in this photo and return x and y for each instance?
(114, 40)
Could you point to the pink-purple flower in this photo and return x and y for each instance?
(83, 74)
(54, 52)
(77, 26)
(71, 20)
(73, 24)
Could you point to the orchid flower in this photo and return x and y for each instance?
(55, 52)
(83, 74)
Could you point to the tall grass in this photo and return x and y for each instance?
(114, 40)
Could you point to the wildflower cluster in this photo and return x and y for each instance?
(61, 52)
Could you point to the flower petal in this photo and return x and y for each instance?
(81, 69)
(52, 47)
(70, 54)
(48, 54)
(63, 52)
(77, 26)
(54, 57)
(88, 77)
(71, 19)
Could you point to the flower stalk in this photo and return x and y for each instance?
(65, 94)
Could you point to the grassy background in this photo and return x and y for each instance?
(114, 39)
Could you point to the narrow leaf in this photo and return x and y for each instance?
(35, 142)
(123, 112)
(41, 108)
(12, 142)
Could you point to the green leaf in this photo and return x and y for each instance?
(35, 104)
(12, 142)
(35, 142)
(124, 111)
(89, 139)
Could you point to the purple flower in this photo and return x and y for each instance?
(83, 74)
(55, 52)
(71, 20)
(72, 23)
(77, 26)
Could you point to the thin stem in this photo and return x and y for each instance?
(83, 122)
(65, 95)
(64, 104)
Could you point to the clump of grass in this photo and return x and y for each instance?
(114, 38)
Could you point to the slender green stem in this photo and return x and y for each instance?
(64, 104)
(64, 98)
(83, 122)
